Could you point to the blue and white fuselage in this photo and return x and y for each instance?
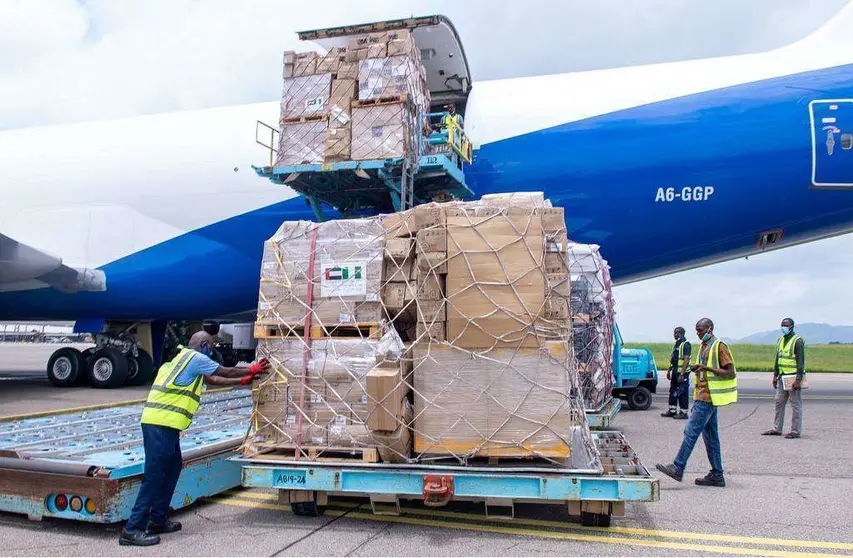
(666, 166)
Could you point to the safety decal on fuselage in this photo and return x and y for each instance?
(832, 142)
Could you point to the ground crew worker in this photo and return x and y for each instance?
(716, 386)
(679, 378)
(171, 404)
(791, 366)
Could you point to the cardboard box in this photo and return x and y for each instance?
(398, 248)
(430, 287)
(398, 271)
(330, 62)
(495, 278)
(377, 51)
(383, 77)
(302, 142)
(434, 331)
(558, 284)
(431, 263)
(432, 311)
(400, 224)
(556, 263)
(397, 296)
(395, 447)
(401, 47)
(306, 64)
(348, 70)
(432, 240)
(340, 111)
(386, 390)
(380, 132)
(336, 146)
(504, 402)
(553, 219)
(355, 55)
(429, 215)
(557, 308)
(306, 96)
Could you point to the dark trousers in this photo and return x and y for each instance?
(679, 392)
(163, 463)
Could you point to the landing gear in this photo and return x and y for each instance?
(66, 367)
(140, 370)
(108, 368)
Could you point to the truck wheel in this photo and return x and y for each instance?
(65, 367)
(595, 519)
(140, 369)
(107, 368)
(640, 399)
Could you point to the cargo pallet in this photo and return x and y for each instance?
(594, 493)
(602, 418)
(366, 330)
(86, 464)
(352, 188)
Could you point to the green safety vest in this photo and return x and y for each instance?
(785, 355)
(723, 390)
(681, 352)
(170, 404)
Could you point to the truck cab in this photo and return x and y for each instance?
(635, 374)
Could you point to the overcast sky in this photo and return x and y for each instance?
(68, 60)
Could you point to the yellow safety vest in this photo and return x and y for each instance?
(168, 403)
(723, 390)
(681, 352)
(785, 355)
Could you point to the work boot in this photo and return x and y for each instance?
(681, 416)
(671, 471)
(138, 538)
(669, 413)
(711, 480)
(168, 527)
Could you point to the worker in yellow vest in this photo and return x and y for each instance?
(788, 379)
(172, 402)
(716, 386)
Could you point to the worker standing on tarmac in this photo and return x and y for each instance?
(788, 378)
(716, 386)
(679, 378)
(172, 402)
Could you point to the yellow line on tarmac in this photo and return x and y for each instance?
(622, 530)
(725, 550)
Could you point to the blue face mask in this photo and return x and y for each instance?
(786, 330)
(205, 349)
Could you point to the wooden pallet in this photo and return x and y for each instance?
(318, 454)
(303, 119)
(386, 100)
(369, 330)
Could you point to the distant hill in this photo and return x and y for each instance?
(814, 334)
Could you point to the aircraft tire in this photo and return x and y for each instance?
(108, 368)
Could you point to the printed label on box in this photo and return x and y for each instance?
(342, 278)
(315, 104)
(316, 398)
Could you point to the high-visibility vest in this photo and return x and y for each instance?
(681, 351)
(723, 390)
(785, 354)
(168, 403)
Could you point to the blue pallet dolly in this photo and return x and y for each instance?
(594, 493)
(87, 464)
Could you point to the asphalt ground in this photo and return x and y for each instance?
(784, 497)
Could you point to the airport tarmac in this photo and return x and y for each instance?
(784, 497)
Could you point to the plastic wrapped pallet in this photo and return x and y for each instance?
(343, 273)
(592, 306)
(306, 96)
(302, 142)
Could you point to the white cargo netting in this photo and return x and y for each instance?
(439, 334)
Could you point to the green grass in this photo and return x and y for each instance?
(819, 358)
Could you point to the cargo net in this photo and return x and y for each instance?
(592, 322)
(439, 334)
(368, 100)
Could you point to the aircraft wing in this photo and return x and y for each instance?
(25, 267)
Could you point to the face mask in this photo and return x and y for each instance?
(786, 330)
(707, 335)
(205, 349)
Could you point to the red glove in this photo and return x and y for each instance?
(246, 380)
(259, 366)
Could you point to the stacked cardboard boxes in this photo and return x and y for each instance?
(358, 102)
(477, 296)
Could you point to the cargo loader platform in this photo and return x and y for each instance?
(354, 188)
(602, 419)
(594, 494)
(87, 464)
